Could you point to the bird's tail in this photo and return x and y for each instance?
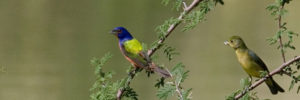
(162, 72)
(273, 86)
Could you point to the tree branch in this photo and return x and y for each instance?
(173, 26)
(280, 39)
(160, 42)
(276, 71)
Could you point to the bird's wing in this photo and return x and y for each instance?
(258, 60)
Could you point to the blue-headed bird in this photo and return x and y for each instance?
(251, 63)
(132, 49)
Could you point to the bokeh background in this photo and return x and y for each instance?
(46, 46)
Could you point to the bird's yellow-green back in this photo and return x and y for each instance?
(133, 46)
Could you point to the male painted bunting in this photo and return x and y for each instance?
(251, 63)
(132, 49)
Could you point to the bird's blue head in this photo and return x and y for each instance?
(122, 34)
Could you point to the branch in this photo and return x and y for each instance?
(160, 42)
(130, 77)
(280, 39)
(276, 71)
(178, 90)
(173, 26)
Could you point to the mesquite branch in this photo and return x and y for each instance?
(171, 28)
(276, 71)
(280, 39)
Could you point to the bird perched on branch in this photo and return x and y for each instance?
(132, 49)
(251, 63)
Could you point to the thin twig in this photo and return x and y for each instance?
(160, 42)
(280, 39)
(276, 71)
(173, 26)
(178, 90)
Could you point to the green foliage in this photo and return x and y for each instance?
(166, 91)
(162, 30)
(179, 73)
(232, 95)
(160, 82)
(145, 47)
(177, 3)
(251, 96)
(103, 89)
(295, 78)
(245, 83)
(170, 52)
(197, 16)
(283, 31)
(277, 9)
(130, 93)
(187, 94)
(165, 2)
(171, 87)
(263, 73)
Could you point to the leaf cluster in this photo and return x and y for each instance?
(283, 31)
(196, 16)
(171, 87)
(245, 83)
(170, 52)
(277, 9)
(103, 88)
(294, 75)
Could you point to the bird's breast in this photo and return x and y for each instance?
(248, 64)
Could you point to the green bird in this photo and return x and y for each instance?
(251, 63)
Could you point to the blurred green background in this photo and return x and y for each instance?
(46, 46)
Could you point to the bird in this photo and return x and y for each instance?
(132, 50)
(251, 63)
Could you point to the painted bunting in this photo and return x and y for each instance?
(251, 63)
(132, 49)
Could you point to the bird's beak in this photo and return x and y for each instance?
(114, 32)
(226, 43)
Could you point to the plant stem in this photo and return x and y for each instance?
(280, 39)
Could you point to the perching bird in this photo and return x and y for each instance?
(251, 63)
(132, 49)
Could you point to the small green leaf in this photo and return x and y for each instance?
(160, 82)
(245, 82)
(292, 85)
(246, 97)
(232, 95)
(186, 94)
(166, 91)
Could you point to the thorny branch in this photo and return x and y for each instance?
(276, 71)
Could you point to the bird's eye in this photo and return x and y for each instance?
(231, 41)
(119, 31)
